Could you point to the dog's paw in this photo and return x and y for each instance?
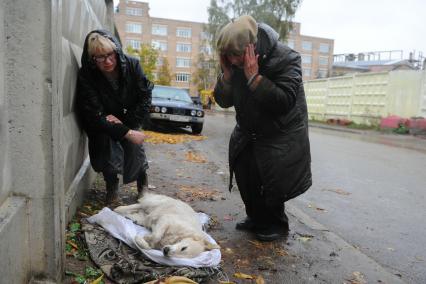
(140, 241)
(120, 209)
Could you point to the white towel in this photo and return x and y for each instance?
(125, 230)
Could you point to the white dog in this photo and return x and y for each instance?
(175, 226)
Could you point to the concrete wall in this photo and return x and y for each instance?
(44, 165)
(422, 108)
(367, 97)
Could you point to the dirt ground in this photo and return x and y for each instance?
(194, 169)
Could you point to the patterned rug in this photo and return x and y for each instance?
(123, 265)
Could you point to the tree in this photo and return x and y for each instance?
(147, 57)
(204, 76)
(164, 76)
(276, 13)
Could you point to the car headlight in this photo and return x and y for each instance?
(163, 109)
(157, 109)
(199, 113)
(193, 112)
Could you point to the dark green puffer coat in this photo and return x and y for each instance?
(273, 118)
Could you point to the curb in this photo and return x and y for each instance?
(348, 252)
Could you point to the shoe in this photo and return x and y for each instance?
(142, 183)
(246, 225)
(270, 234)
(111, 192)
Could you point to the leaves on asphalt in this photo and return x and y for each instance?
(193, 157)
(162, 138)
(338, 191)
(258, 278)
(304, 237)
(317, 208)
(228, 218)
(240, 275)
(191, 193)
(356, 278)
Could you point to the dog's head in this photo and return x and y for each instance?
(188, 247)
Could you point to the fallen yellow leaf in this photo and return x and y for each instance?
(195, 158)
(98, 280)
(304, 239)
(260, 280)
(72, 244)
(243, 276)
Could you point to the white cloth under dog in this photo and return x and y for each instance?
(125, 230)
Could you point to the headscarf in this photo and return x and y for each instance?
(236, 35)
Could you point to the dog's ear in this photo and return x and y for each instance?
(209, 246)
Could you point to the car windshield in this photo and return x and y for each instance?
(171, 94)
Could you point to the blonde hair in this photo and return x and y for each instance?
(99, 43)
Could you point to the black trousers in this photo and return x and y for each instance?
(125, 158)
(251, 190)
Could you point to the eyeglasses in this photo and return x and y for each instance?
(103, 58)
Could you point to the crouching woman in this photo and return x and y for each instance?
(113, 101)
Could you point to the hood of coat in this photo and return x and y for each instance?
(267, 39)
(88, 63)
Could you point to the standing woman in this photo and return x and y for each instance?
(113, 101)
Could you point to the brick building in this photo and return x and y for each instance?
(316, 53)
(181, 42)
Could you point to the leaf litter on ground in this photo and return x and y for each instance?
(163, 138)
(193, 157)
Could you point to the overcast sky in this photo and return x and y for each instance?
(355, 25)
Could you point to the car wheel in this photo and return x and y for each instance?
(197, 128)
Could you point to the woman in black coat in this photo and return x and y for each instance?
(269, 148)
(113, 101)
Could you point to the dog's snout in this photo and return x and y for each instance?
(166, 251)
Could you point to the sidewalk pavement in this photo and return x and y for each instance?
(311, 254)
(417, 143)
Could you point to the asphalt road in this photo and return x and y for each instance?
(373, 196)
(361, 220)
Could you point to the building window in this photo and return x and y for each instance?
(160, 61)
(134, 43)
(183, 32)
(306, 59)
(159, 44)
(134, 28)
(322, 73)
(134, 11)
(323, 60)
(205, 36)
(183, 47)
(306, 45)
(306, 72)
(160, 30)
(290, 43)
(183, 62)
(206, 49)
(182, 77)
(324, 47)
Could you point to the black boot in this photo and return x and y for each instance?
(142, 183)
(111, 192)
(246, 225)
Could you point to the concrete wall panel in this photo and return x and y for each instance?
(366, 97)
(43, 152)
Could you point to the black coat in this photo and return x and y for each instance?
(96, 99)
(273, 118)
